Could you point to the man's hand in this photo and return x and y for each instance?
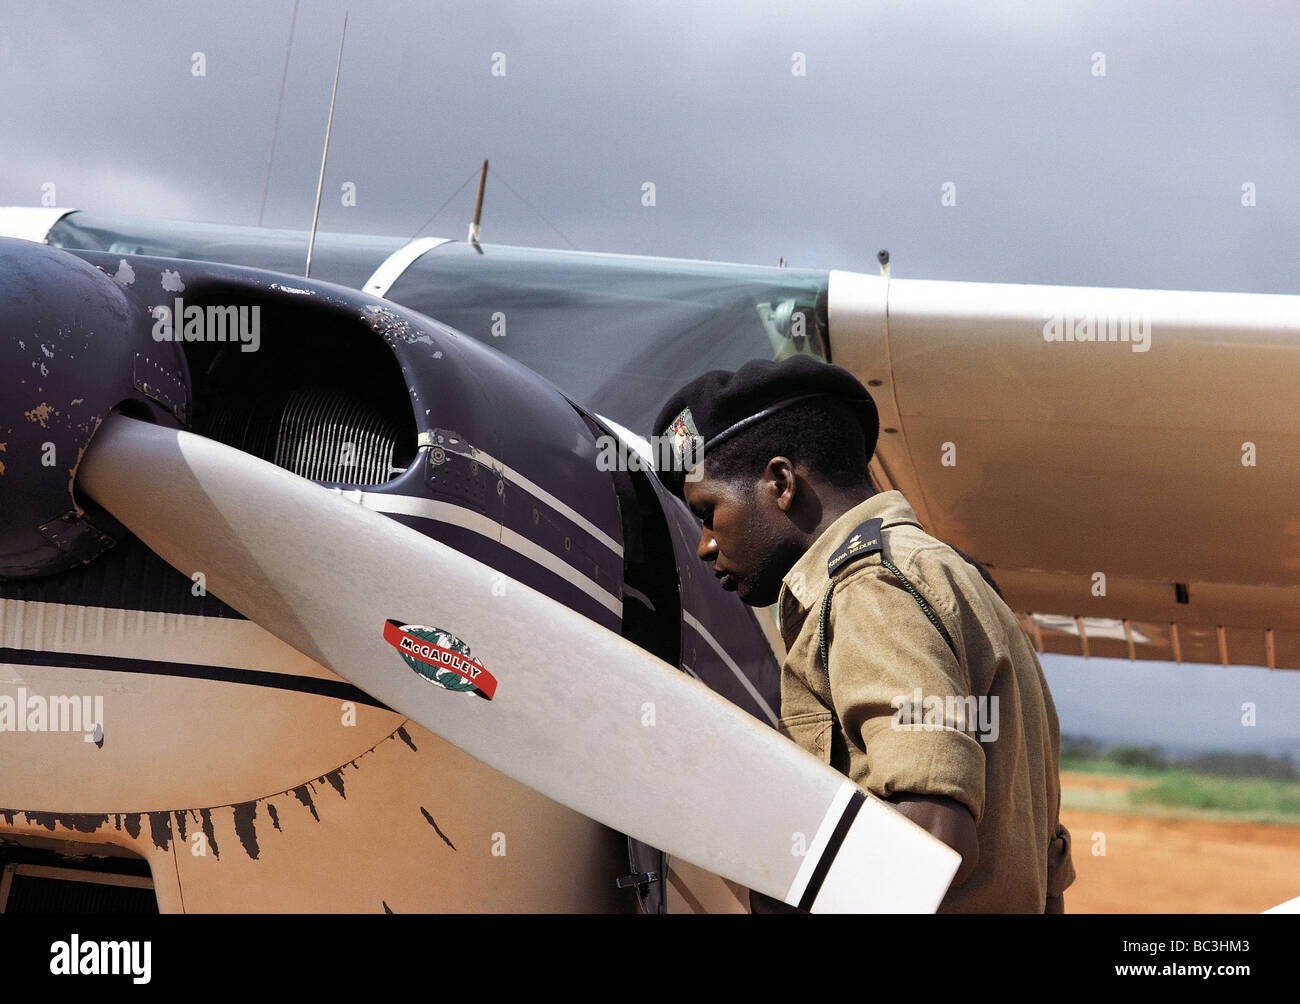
(948, 820)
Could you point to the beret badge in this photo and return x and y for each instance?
(685, 440)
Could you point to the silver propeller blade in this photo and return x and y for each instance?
(543, 694)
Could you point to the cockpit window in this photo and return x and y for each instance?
(348, 259)
(619, 333)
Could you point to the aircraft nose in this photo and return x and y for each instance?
(73, 345)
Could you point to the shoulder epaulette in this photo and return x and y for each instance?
(866, 539)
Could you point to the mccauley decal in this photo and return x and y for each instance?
(440, 657)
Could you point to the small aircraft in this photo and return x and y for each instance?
(1123, 460)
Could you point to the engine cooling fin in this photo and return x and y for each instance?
(317, 432)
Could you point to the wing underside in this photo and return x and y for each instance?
(1124, 461)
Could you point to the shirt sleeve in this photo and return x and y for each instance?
(901, 694)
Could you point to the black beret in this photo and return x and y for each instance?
(714, 407)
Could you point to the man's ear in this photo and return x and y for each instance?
(779, 475)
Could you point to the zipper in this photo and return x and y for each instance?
(824, 620)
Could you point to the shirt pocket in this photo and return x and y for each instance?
(810, 730)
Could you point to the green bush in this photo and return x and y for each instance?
(1184, 790)
(1242, 765)
(1140, 757)
(1079, 748)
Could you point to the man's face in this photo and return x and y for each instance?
(745, 535)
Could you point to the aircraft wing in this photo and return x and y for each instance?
(1124, 461)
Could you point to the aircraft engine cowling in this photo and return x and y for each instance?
(75, 343)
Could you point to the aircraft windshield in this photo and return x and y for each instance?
(348, 259)
(619, 333)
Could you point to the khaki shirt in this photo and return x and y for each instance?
(900, 713)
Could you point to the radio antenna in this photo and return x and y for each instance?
(275, 129)
(474, 228)
(329, 124)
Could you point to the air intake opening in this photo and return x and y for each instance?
(49, 881)
(321, 397)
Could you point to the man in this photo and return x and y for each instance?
(905, 669)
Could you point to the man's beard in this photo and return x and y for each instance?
(762, 588)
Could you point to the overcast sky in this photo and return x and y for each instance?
(1153, 145)
(1061, 175)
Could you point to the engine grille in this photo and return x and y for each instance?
(325, 435)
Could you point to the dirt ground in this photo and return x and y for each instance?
(1161, 865)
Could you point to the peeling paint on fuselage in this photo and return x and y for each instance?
(246, 828)
(335, 778)
(40, 414)
(245, 814)
(160, 829)
(304, 796)
(445, 840)
(72, 475)
(81, 822)
(209, 832)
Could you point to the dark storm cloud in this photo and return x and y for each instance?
(1133, 178)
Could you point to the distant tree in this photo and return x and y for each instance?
(1079, 748)
(1223, 764)
(1137, 756)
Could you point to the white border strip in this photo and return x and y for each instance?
(819, 842)
(541, 494)
(468, 519)
(150, 635)
(690, 620)
(398, 262)
(30, 223)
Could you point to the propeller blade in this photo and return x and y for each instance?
(514, 678)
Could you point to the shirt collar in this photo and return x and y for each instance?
(803, 585)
